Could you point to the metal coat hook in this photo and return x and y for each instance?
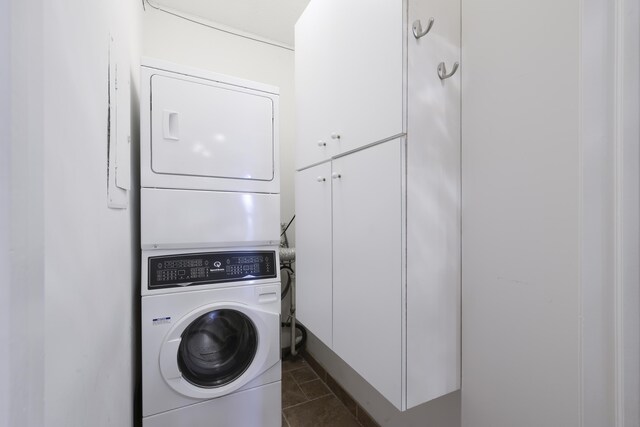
(417, 28)
(442, 70)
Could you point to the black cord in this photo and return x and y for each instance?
(287, 227)
(287, 286)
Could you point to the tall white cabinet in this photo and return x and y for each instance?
(378, 191)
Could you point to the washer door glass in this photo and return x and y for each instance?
(217, 348)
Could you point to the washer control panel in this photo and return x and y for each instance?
(202, 268)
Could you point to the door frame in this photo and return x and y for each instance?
(627, 213)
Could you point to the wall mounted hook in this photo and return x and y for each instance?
(417, 28)
(442, 70)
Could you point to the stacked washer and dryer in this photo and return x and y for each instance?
(210, 215)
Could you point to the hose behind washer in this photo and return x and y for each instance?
(286, 352)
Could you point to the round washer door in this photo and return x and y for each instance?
(218, 348)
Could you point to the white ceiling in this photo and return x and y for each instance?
(270, 19)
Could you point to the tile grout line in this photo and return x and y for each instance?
(308, 401)
(325, 380)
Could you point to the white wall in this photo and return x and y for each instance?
(521, 343)
(441, 412)
(88, 249)
(26, 273)
(71, 303)
(184, 42)
(538, 213)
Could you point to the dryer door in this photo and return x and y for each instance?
(207, 129)
(219, 348)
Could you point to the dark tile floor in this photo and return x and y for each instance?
(308, 401)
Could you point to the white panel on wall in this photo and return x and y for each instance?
(520, 220)
(88, 261)
(118, 128)
(123, 141)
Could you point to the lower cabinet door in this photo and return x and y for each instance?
(313, 248)
(367, 265)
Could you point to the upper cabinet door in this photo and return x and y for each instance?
(368, 52)
(208, 129)
(349, 76)
(314, 77)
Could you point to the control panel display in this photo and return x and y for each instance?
(214, 267)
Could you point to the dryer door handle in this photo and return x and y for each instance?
(170, 125)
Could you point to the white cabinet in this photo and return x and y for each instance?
(367, 265)
(394, 207)
(314, 295)
(349, 76)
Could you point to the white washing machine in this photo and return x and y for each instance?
(211, 337)
(211, 358)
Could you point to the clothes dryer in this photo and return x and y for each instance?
(209, 159)
(207, 131)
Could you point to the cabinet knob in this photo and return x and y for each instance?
(336, 175)
(321, 179)
(335, 136)
(322, 144)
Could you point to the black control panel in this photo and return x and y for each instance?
(202, 268)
